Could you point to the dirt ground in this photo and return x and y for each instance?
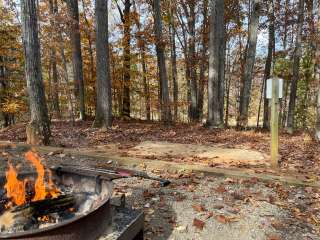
(299, 153)
(198, 207)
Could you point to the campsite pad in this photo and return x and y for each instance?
(216, 155)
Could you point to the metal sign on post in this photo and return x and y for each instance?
(274, 92)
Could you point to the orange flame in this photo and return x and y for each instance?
(16, 189)
(39, 187)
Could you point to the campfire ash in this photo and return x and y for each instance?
(29, 203)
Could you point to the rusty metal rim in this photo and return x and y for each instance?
(55, 226)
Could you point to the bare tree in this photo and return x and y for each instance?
(295, 69)
(77, 55)
(216, 65)
(103, 88)
(38, 130)
(249, 64)
(165, 101)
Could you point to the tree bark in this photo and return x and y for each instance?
(77, 55)
(249, 65)
(317, 73)
(38, 130)
(191, 15)
(216, 65)
(90, 49)
(203, 61)
(165, 101)
(174, 62)
(268, 65)
(53, 58)
(295, 69)
(142, 46)
(145, 81)
(104, 98)
(125, 18)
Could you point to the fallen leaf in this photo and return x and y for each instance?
(198, 223)
(199, 208)
(220, 189)
(274, 237)
(226, 219)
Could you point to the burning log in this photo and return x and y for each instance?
(20, 217)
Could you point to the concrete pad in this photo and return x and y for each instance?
(219, 155)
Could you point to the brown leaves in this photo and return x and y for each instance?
(226, 219)
(220, 189)
(274, 237)
(199, 208)
(198, 224)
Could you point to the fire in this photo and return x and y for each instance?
(16, 189)
(40, 188)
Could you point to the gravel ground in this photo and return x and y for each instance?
(198, 207)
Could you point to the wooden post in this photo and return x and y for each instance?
(275, 122)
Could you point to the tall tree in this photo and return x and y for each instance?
(77, 55)
(317, 72)
(141, 42)
(160, 45)
(53, 58)
(126, 21)
(203, 61)
(268, 65)
(38, 130)
(103, 88)
(216, 65)
(174, 71)
(295, 68)
(189, 8)
(249, 64)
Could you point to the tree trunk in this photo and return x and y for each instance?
(216, 65)
(165, 101)
(77, 55)
(267, 70)
(66, 79)
(90, 49)
(203, 61)
(174, 63)
(103, 88)
(38, 130)
(317, 73)
(125, 17)
(142, 47)
(193, 108)
(249, 65)
(53, 58)
(295, 69)
(145, 81)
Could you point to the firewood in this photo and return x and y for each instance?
(21, 216)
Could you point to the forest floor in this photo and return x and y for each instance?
(188, 144)
(194, 206)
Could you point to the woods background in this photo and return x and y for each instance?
(171, 61)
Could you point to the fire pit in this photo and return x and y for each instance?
(79, 207)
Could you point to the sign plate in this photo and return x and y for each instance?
(269, 88)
